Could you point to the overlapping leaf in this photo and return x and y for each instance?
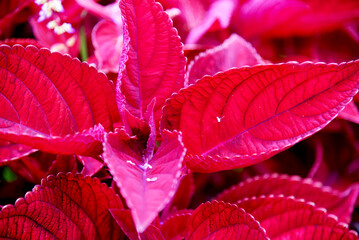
(124, 219)
(63, 207)
(155, 65)
(218, 16)
(290, 218)
(234, 52)
(146, 181)
(176, 226)
(52, 102)
(242, 116)
(338, 203)
(11, 151)
(219, 220)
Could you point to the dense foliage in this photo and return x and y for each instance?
(201, 119)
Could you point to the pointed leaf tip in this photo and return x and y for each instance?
(147, 184)
(243, 116)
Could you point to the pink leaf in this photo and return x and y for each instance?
(147, 184)
(234, 52)
(155, 66)
(63, 207)
(350, 113)
(91, 165)
(242, 116)
(290, 218)
(339, 203)
(107, 39)
(219, 220)
(219, 13)
(64, 104)
(292, 17)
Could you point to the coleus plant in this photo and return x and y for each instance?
(155, 126)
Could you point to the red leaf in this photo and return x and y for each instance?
(219, 220)
(243, 116)
(176, 226)
(12, 13)
(33, 167)
(63, 207)
(63, 102)
(290, 218)
(339, 203)
(124, 219)
(155, 66)
(22, 41)
(182, 197)
(234, 52)
(147, 184)
(63, 163)
(292, 17)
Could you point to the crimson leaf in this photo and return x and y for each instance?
(52, 102)
(290, 218)
(242, 116)
(219, 220)
(339, 203)
(63, 207)
(155, 65)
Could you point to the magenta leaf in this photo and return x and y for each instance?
(234, 52)
(91, 165)
(338, 203)
(292, 17)
(12, 151)
(64, 107)
(63, 207)
(219, 220)
(290, 218)
(147, 184)
(243, 116)
(155, 65)
(350, 113)
(218, 16)
(107, 39)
